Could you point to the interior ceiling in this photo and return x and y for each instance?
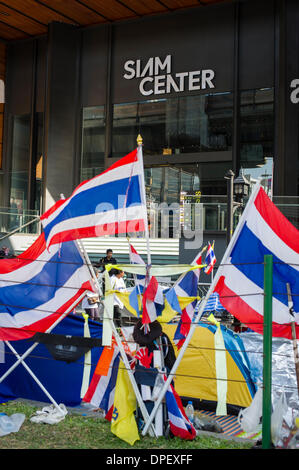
(21, 19)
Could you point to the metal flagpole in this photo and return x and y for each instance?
(143, 195)
(33, 376)
(201, 309)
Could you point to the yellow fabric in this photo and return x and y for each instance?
(156, 270)
(123, 423)
(167, 314)
(196, 375)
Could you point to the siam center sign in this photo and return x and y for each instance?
(156, 77)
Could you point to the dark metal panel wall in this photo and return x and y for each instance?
(197, 39)
(41, 70)
(94, 66)
(286, 169)
(20, 77)
(61, 113)
(256, 44)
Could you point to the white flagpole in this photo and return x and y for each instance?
(200, 310)
(143, 196)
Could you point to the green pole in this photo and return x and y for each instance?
(267, 356)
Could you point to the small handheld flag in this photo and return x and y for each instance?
(210, 259)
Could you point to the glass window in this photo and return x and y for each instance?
(20, 163)
(39, 163)
(179, 125)
(93, 142)
(257, 134)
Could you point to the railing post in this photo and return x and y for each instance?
(267, 352)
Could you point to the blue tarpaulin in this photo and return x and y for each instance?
(61, 379)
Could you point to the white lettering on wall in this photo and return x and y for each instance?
(153, 82)
(295, 93)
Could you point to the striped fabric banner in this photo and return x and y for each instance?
(262, 230)
(230, 426)
(38, 286)
(110, 203)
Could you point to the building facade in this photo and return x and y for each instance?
(209, 89)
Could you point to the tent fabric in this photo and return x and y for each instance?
(62, 380)
(196, 376)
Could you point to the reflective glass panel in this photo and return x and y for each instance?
(257, 135)
(93, 142)
(39, 163)
(19, 165)
(187, 124)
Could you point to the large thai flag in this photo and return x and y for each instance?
(112, 202)
(101, 390)
(179, 423)
(186, 286)
(239, 281)
(38, 286)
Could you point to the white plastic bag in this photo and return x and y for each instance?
(159, 383)
(11, 423)
(280, 411)
(249, 418)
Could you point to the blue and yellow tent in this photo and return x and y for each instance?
(198, 376)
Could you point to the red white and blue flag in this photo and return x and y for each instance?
(110, 203)
(135, 258)
(210, 259)
(180, 425)
(38, 286)
(152, 301)
(262, 230)
(101, 389)
(186, 286)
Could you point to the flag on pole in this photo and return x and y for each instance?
(135, 258)
(152, 301)
(180, 425)
(123, 422)
(38, 286)
(112, 202)
(101, 390)
(239, 281)
(186, 286)
(210, 259)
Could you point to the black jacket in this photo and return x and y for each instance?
(103, 261)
